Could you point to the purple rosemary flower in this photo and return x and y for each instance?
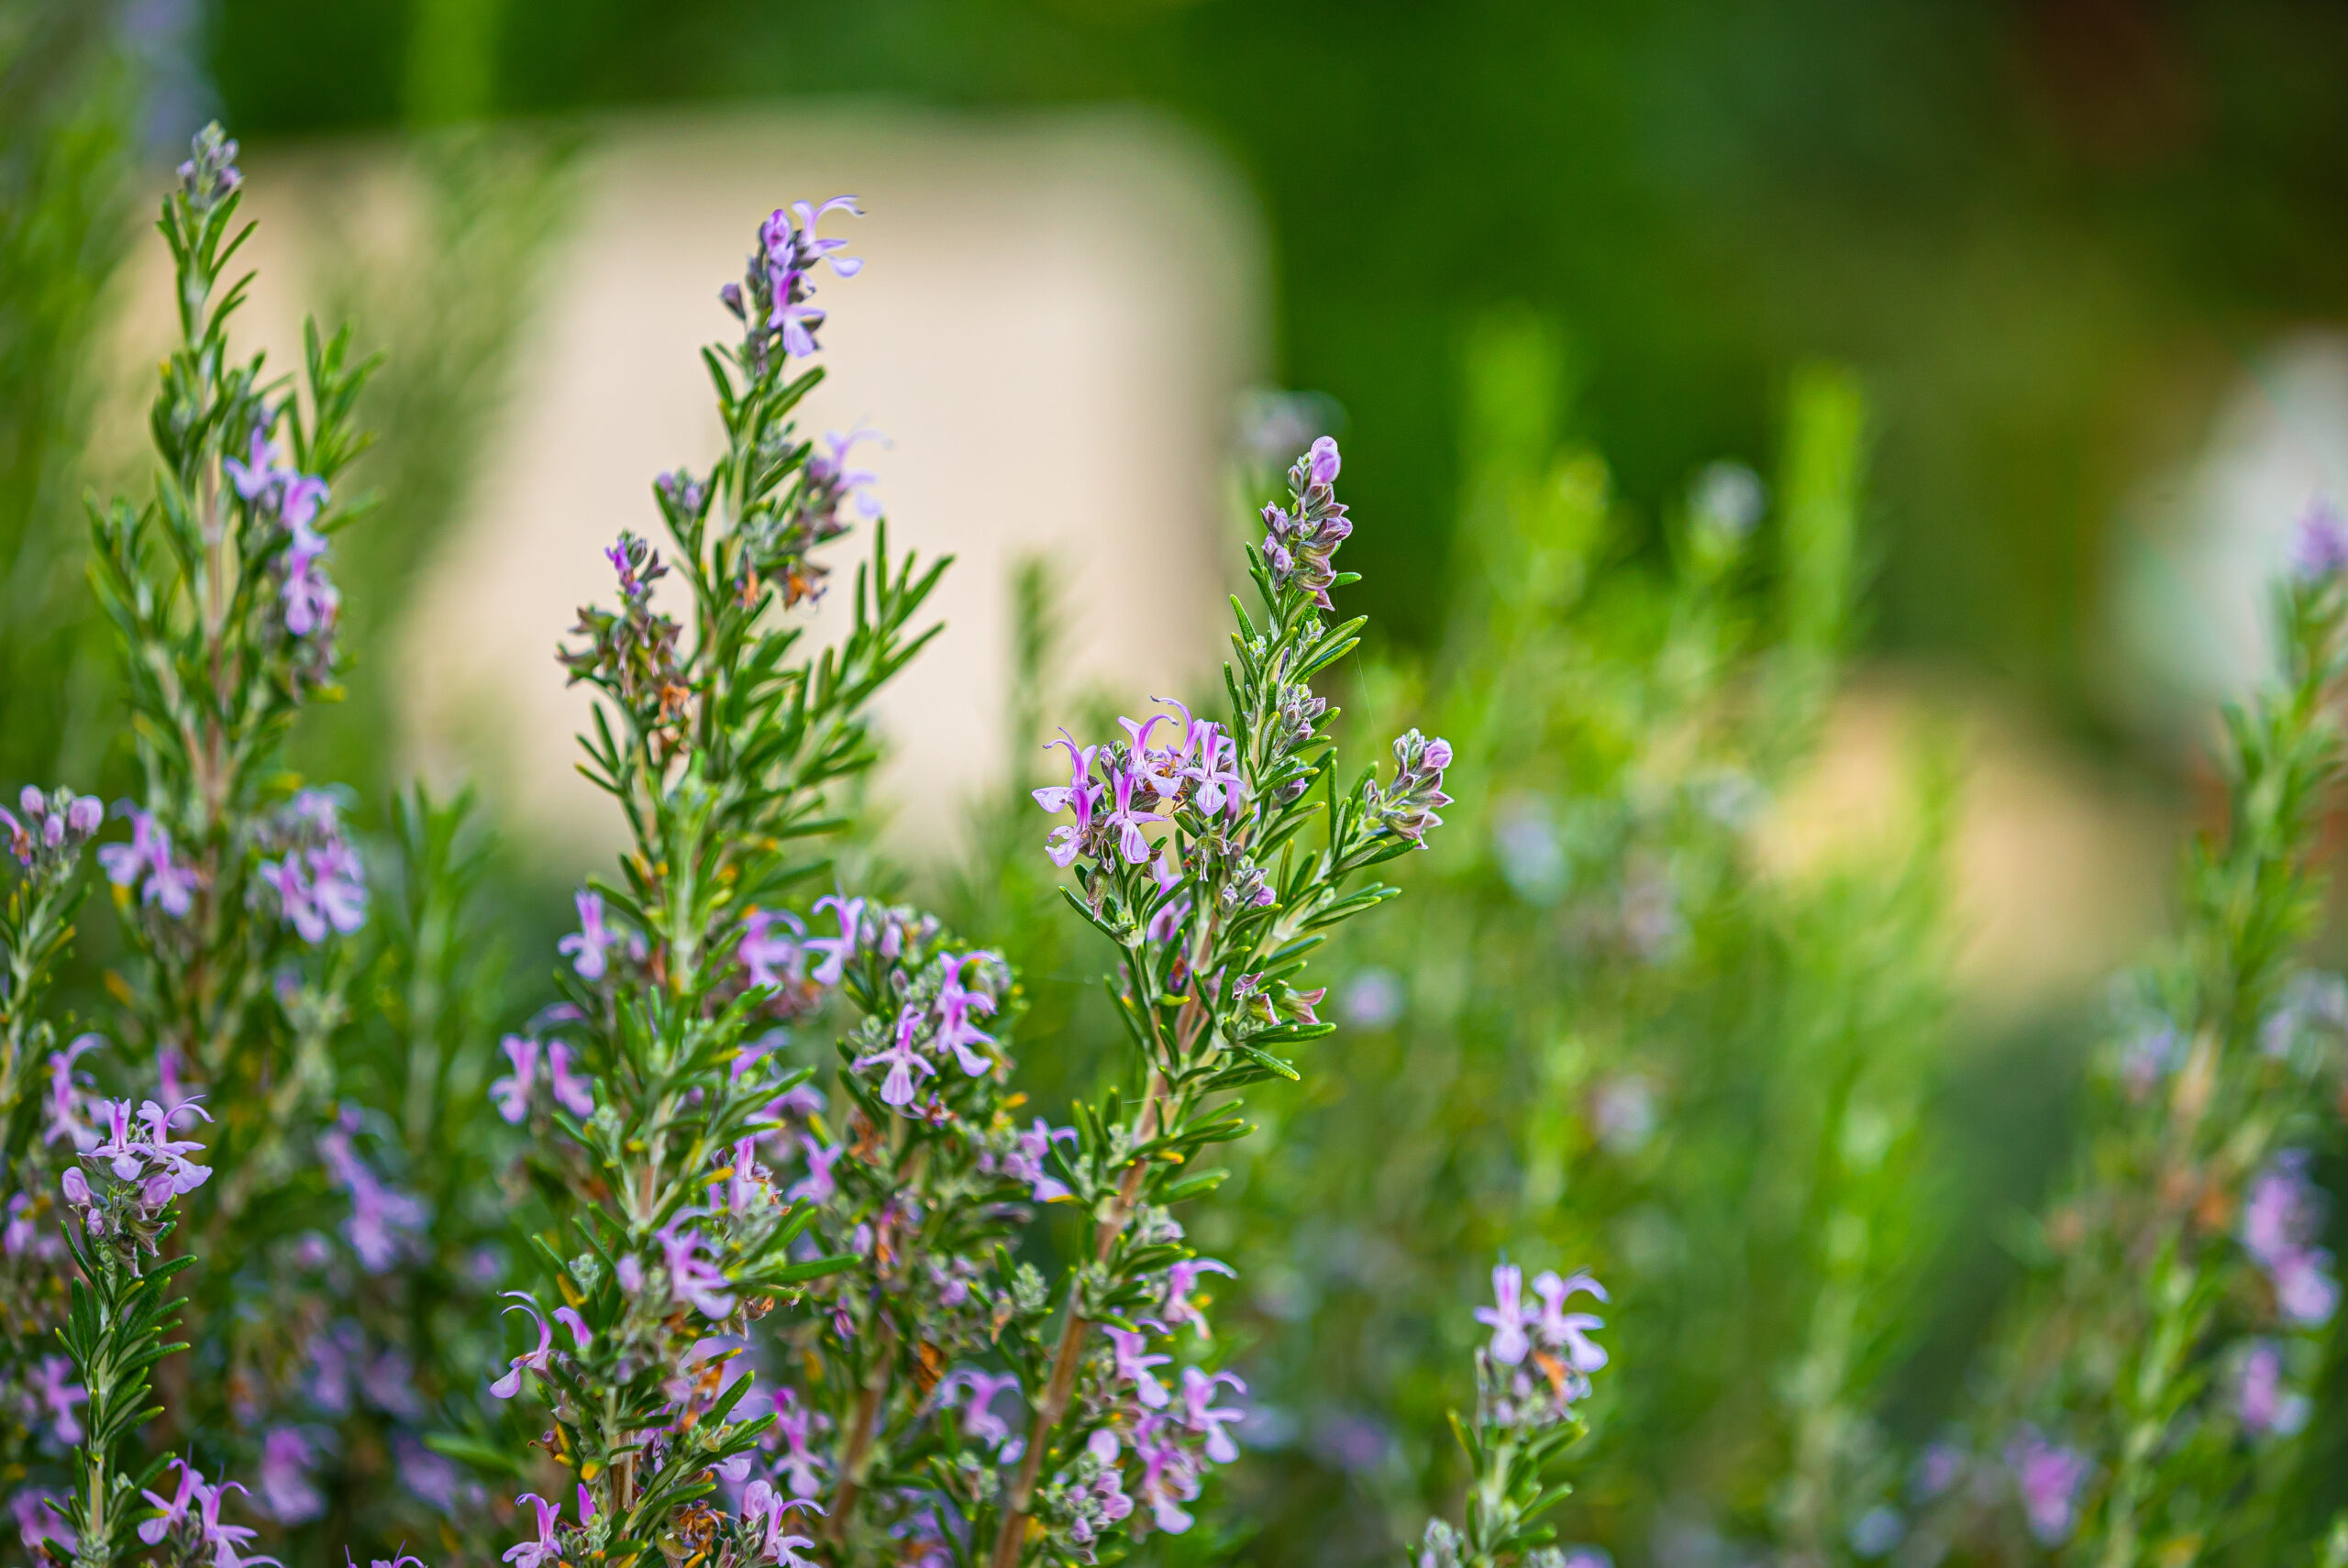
(385, 1221)
(691, 1277)
(287, 1493)
(1507, 1317)
(1568, 1332)
(763, 1509)
(956, 1003)
(511, 1094)
(571, 1090)
(791, 252)
(1203, 1416)
(175, 1507)
(50, 1397)
(209, 177)
(2049, 1477)
(802, 1468)
(1079, 795)
(901, 1060)
(817, 1186)
(548, 1548)
(1407, 805)
(2320, 548)
(838, 950)
(1133, 1367)
(53, 829)
(535, 1360)
(2264, 1405)
(589, 945)
(1182, 1284)
(1170, 1475)
(1124, 821)
(974, 1393)
(1300, 540)
(2280, 1220)
(769, 948)
(832, 482)
(168, 885)
(69, 1100)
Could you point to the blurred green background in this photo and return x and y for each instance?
(2048, 232)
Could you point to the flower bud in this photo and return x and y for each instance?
(76, 1186)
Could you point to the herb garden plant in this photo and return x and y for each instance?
(748, 1248)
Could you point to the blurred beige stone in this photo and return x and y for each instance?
(2060, 869)
(1054, 317)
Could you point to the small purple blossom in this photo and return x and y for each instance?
(169, 885)
(287, 1491)
(2049, 1477)
(901, 1060)
(838, 950)
(1133, 1367)
(533, 1359)
(817, 1186)
(770, 949)
(2280, 1220)
(956, 1003)
(2319, 550)
(975, 1392)
(589, 947)
(548, 1546)
(511, 1094)
(2264, 1405)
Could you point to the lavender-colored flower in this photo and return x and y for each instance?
(511, 1094)
(833, 480)
(2048, 1477)
(175, 1507)
(769, 948)
(534, 1360)
(209, 177)
(2266, 1406)
(2280, 1219)
(1079, 795)
(1407, 806)
(838, 950)
(763, 1509)
(975, 1392)
(383, 1221)
(40, 1521)
(169, 885)
(287, 1493)
(1133, 1367)
(52, 1394)
(571, 1090)
(817, 1186)
(1125, 821)
(1300, 540)
(1201, 1415)
(431, 1478)
(901, 1060)
(802, 1468)
(1182, 1284)
(589, 945)
(1170, 1475)
(548, 1548)
(691, 1277)
(66, 1109)
(956, 1003)
(1508, 1318)
(2320, 548)
(1566, 1330)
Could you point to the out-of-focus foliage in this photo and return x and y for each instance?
(2046, 233)
(66, 97)
(1606, 1035)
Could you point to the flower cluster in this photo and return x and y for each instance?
(316, 879)
(135, 1172)
(1529, 1378)
(147, 864)
(772, 300)
(2280, 1221)
(54, 827)
(1303, 536)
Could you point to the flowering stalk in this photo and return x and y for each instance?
(1528, 1380)
(720, 745)
(218, 591)
(2183, 1283)
(121, 1199)
(1213, 919)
